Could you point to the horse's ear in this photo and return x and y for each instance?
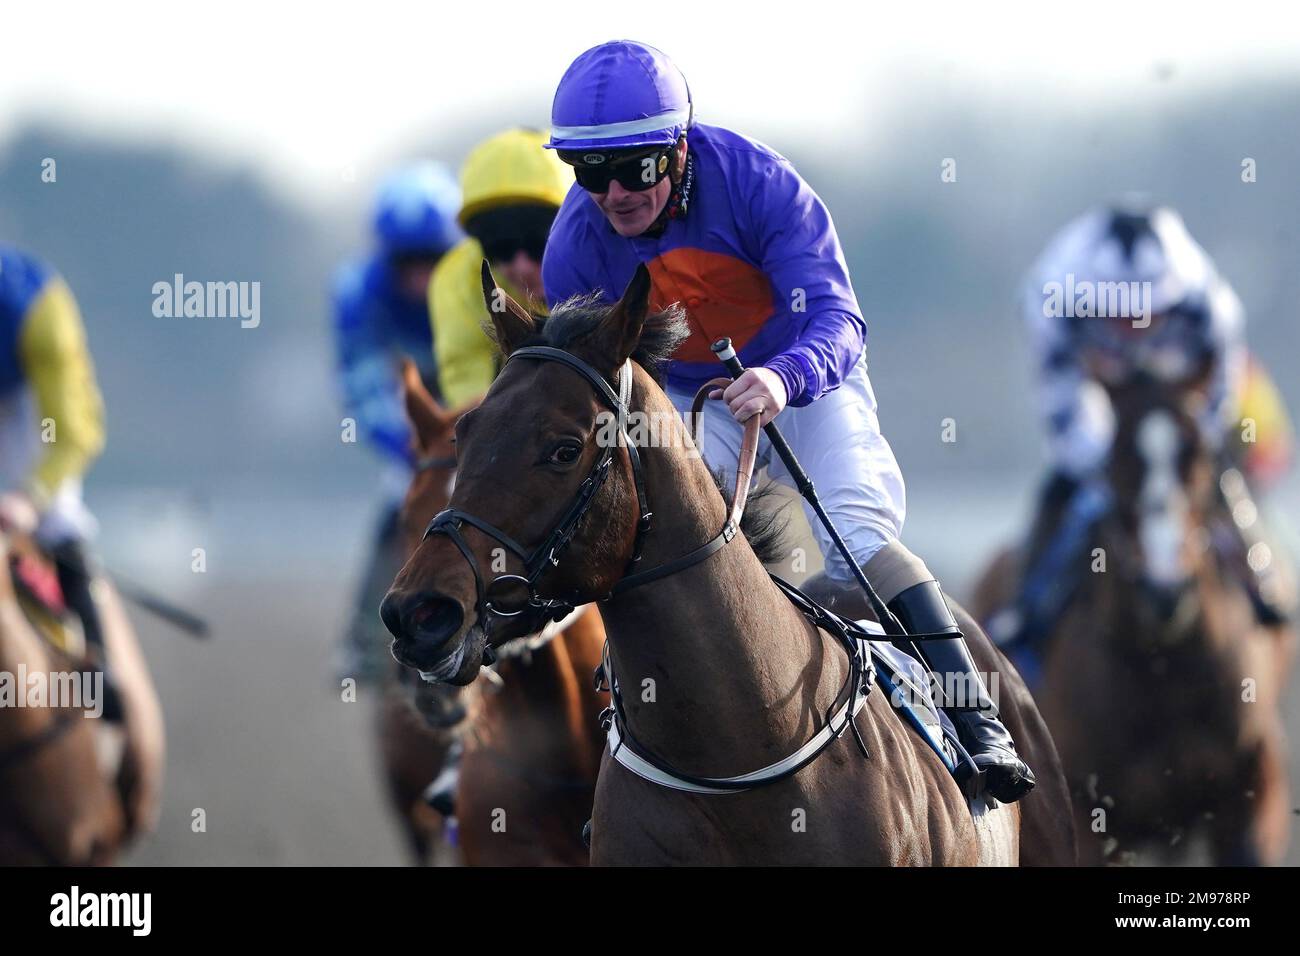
(512, 321)
(618, 334)
(427, 417)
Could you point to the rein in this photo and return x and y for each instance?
(434, 461)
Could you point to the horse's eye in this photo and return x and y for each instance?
(566, 454)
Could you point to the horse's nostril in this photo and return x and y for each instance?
(420, 617)
(436, 617)
(390, 612)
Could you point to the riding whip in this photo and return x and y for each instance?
(727, 355)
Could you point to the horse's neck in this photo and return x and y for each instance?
(1117, 598)
(21, 652)
(18, 643)
(715, 665)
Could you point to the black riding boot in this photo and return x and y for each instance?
(921, 609)
(75, 576)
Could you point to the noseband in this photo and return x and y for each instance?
(547, 555)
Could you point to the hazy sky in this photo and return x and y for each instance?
(319, 94)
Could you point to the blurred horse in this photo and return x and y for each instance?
(1161, 688)
(531, 741)
(721, 671)
(73, 790)
(416, 733)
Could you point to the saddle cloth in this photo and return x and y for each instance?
(907, 683)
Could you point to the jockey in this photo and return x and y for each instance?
(730, 231)
(51, 429)
(380, 315)
(1177, 319)
(512, 190)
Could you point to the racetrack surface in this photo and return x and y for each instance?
(260, 739)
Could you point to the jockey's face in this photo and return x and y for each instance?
(633, 213)
(413, 273)
(523, 272)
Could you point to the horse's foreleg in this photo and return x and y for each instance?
(1270, 823)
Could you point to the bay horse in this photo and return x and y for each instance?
(1159, 684)
(719, 671)
(73, 790)
(531, 740)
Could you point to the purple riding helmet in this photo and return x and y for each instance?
(620, 95)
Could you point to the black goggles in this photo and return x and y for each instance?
(507, 247)
(505, 231)
(636, 172)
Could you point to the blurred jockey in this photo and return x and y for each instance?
(1158, 306)
(512, 189)
(51, 429)
(380, 315)
(730, 231)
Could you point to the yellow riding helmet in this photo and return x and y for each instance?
(511, 167)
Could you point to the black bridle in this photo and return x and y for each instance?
(546, 555)
(434, 462)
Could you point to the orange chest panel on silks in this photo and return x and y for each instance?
(722, 296)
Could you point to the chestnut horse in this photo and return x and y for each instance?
(719, 672)
(1161, 688)
(531, 739)
(73, 790)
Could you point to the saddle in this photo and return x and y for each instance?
(906, 682)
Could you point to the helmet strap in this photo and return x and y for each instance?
(679, 199)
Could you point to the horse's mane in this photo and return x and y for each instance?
(574, 319)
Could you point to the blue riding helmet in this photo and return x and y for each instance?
(416, 209)
(620, 95)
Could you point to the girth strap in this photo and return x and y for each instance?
(773, 772)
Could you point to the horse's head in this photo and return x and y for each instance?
(435, 451)
(527, 457)
(1162, 478)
